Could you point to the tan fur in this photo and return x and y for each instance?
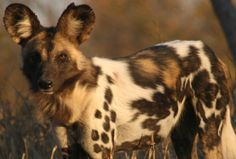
(171, 73)
(25, 28)
(214, 154)
(44, 54)
(147, 67)
(16, 39)
(62, 44)
(40, 36)
(75, 25)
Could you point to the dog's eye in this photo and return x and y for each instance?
(62, 58)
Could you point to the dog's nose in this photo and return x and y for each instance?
(45, 84)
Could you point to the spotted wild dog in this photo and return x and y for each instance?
(176, 89)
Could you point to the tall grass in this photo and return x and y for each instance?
(22, 136)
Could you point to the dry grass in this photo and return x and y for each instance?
(22, 136)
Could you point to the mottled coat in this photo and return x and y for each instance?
(176, 89)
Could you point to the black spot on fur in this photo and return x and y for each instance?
(211, 91)
(215, 65)
(180, 92)
(98, 114)
(113, 136)
(160, 107)
(201, 111)
(106, 153)
(97, 148)
(98, 70)
(113, 116)
(167, 99)
(221, 103)
(149, 108)
(223, 112)
(151, 124)
(105, 138)
(108, 95)
(204, 90)
(175, 108)
(106, 106)
(219, 75)
(94, 135)
(210, 137)
(183, 91)
(135, 117)
(106, 124)
(109, 79)
(192, 62)
(142, 143)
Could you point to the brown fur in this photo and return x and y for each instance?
(54, 108)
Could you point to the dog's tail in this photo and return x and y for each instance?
(228, 138)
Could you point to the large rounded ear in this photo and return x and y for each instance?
(76, 23)
(21, 23)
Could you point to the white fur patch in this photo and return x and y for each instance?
(182, 46)
(61, 133)
(160, 89)
(122, 98)
(166, 125)
(206, 64)
(168, 122)
(79, 100)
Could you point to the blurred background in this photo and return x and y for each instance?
(122, 28)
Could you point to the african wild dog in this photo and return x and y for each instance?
(125, 103)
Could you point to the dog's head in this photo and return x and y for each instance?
(51, 56)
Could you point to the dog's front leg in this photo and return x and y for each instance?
(62, 136)
(68, 143)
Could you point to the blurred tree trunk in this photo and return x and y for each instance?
(226, 13)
